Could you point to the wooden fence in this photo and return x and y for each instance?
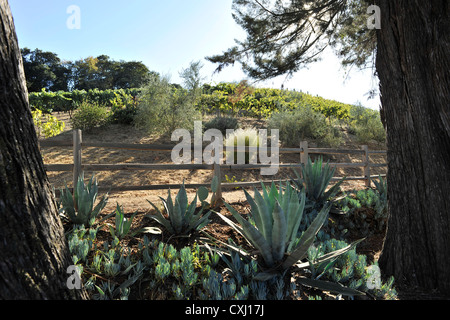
(78, 166)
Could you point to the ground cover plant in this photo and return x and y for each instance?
(133, 256)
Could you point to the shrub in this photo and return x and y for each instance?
(304, 124)
(123, 108)
(366, 125)
(372, 130)
(358, 205)
(47, 125)
(349, 269)
(89, 116)
(164, 108)
(222, 124)
(47, 102)
(122, 224)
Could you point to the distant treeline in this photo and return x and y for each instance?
(45, 70)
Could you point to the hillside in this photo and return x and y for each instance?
(137, 200)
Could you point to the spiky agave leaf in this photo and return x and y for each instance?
(199, 222)
(329, 286)
(182, 217)
(279, 233)
(265, 215)
(307, 238)
(79, 206)
(330, 256)
(158, 217)
(176, 217)
(315, 178)
(255, 237)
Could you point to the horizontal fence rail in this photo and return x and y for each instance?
(77, 167)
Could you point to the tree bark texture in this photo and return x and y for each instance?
(34, 255)
(413, 63)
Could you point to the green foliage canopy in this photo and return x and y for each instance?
(283, 36)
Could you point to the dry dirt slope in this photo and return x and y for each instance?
(137, 200)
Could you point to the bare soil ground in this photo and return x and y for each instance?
(137, 200)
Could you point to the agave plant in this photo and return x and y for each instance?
(123, 224)
(182, 218)
(314, 179)
(381, 186)
(272, 229)
(79, 207)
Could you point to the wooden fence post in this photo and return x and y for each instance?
(77, 151)
(366, 160)
(304, 155)
(218, 196)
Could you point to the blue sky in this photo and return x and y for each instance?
(167, 36)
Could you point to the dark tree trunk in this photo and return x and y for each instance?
(34, 255)
(413, 65)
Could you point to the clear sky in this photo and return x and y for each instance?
(166, 36)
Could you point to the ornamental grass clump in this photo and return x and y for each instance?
(243, 138)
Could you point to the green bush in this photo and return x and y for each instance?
(366, 125)
(164, 108)
(304, 124)
(222, 124)
(47, 125)
(350, 269)
(47, 102)
(372, 130)
(89, 116)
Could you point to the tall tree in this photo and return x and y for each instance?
(192, 79)
(34, 255)
(44, 70)
(413, 59)
(85, 74)
(132, 74)
(103, 73)
(413, 63)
